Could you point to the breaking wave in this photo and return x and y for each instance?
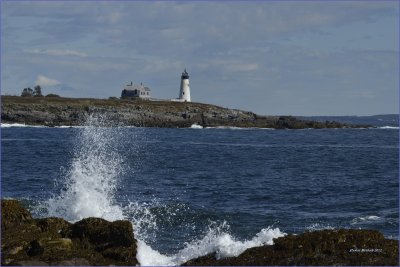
(89, 189)
(365, 219)
(9, 125)
(90, 183)
(196, 126)
(21, 125)
(389, 127)
(215, 241)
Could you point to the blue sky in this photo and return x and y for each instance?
(270, 57)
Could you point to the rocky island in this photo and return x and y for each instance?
(26, 241)
(57, 111)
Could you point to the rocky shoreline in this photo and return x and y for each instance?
(26, 241)
(54, 241)
(58, 111)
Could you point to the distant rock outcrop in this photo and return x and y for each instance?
(56, 111)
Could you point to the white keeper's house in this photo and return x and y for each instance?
(132, 91)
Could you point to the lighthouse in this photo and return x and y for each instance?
(184, 92)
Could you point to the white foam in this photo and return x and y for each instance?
(365, 219)
(91, 181)
(9, 125)
(196, 126)
(317, 227)
(389, 127)
(89, 189)
(370, 218)
(230, 128)
(215, 241)
(22, 125)
(150, 257)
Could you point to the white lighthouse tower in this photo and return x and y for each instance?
(184, 92)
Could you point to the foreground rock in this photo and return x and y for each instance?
(56, 111)
(54, 241)
(327, 247)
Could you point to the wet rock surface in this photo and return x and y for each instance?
(93, 241)
(54, 241)
(56, 111)
(343, 247)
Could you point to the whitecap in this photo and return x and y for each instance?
(365, 219)
(317, 227)
(9, 125)
(215, 241)
(196, 126)
(389, 127)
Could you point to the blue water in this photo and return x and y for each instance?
(178, 183)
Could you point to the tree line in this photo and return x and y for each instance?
(36, 91)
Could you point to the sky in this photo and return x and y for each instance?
(270, 57)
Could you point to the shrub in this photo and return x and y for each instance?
(38, 91)
(52, 95)
(27, 92)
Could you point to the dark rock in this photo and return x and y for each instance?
(327, 247)
(123, 254)
(73, 262)
(53, 226)
(54, 241)
(93, 241)
(15, 250)
(69, 111)
(13, 214)
(29, 263)
(103, 234)
(35, 248)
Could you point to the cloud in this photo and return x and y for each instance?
(313, 50)
(45, 81)
(56, 52)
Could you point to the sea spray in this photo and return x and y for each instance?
(91, 180)
(216, 240)
(144, 220)
(89, 190)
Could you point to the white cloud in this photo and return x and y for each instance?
(45, 81)
(304, 47)
(56, 52)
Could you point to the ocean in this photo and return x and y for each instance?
(190, 192)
